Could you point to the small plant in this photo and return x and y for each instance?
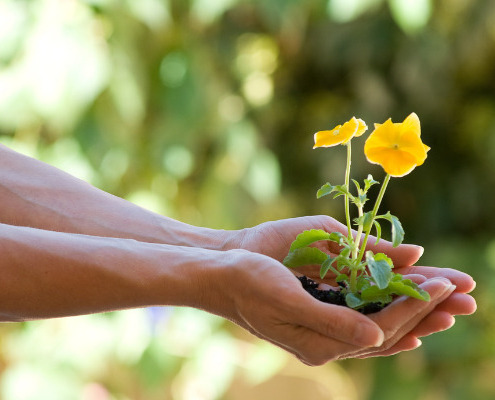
(365, 278)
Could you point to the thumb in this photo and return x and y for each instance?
(337, 322)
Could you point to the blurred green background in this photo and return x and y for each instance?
(204, 110)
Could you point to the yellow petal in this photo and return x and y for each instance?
(362, 127)
(384, 135)
(411, 143)
(349, 129)
(328, 138)
(412, 123)
(397, 147)
(395, 162)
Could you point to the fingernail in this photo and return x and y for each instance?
(421, 251)
(447, 287)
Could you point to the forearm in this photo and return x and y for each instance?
(50, 274)
(38, 195)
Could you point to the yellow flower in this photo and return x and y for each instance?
(397, 147)
(341, 134)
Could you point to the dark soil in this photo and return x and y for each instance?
(334, 296)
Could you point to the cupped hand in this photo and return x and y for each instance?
(273, 239)
(262, 296)
(413, 313)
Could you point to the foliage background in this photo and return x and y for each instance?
(204, 110)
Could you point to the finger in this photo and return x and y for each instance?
(463, 281)
(402, 256)
(407, 343)
(416, 278)
(458, 304)
(311, 347)
(402, 316)
(340, 323)
(437, 321)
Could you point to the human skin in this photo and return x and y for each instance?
(93, 252)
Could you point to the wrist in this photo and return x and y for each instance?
(181, 234)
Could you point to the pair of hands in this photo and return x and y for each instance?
(268, 301)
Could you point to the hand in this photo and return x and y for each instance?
(264, 297)
(414, 312)
(273, 239)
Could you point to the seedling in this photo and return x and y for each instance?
(365, 277)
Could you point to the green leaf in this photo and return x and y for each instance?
(384, 257)
(343, 261)
(397, 230)
(342, 278)
(403, 288)
(378, 231)
(365, 220)
(363, 282)
(342, 191)
(327, 264)
(345, 251)
(368, 182)
(375, 294)
(338, 238)
(305, 256)
(325, 190)
(356, 183)
(353, 300)
(307, 237)
(380, 269)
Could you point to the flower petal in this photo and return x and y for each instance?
(411, 143)
(328, 138)
(412, 123)
(397, 147)
(395, 162)
(362, 127)
(349, 129)
(384, 135)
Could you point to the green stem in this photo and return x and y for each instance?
(347, 180)
(353, 280)
(373, 215)
(354, 269)
(358, 235)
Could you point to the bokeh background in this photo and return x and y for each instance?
(204, 110)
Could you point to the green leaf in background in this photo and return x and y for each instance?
(380, 268)
(397, 230)
(305, 256)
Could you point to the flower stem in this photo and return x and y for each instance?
(347, 179)
(373, 216)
